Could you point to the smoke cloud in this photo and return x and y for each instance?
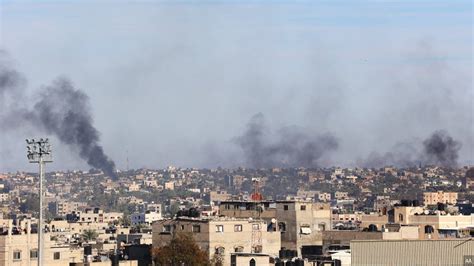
(441, 149)
(437, 149)
(60, 110)
(288, 147)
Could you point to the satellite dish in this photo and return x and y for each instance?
(274, 220)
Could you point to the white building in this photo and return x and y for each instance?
(147, 217)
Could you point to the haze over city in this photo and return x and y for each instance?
(238, 83)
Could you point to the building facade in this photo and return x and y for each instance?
(222, 237)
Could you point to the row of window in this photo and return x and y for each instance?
(219, 228)
(249, 207)
(34, 255)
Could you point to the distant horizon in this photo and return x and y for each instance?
(236, 168)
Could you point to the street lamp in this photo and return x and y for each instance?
(39, 151)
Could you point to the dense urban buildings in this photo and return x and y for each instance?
(238, 216)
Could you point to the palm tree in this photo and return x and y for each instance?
(89, 235)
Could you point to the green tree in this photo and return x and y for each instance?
(89, 235)
(182, 250)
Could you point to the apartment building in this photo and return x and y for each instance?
(63, 207)
(22, 249)
(223, 237)
(324, 197)
(300, 222)
(433, 198)
(97, 215)
(435, 225)
(146, 217)
(218, 196)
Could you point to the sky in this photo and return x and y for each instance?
(177, 82)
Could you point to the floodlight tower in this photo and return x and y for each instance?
(39, 151)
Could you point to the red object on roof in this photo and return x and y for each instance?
(257, 196)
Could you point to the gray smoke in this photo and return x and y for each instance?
(438, 149)
(288, 147)
(61, 110)
(404, 154)
(441, 149)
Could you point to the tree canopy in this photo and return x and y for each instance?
(181, 250)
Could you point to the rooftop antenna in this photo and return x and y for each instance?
(39, 151)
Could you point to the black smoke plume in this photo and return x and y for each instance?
(438, 149)
(60, 110)
(289, 147)
(441, 149)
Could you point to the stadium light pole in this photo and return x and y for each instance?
(39, 151)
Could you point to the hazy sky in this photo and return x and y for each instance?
(176, 82)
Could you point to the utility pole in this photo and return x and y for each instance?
(39, 151)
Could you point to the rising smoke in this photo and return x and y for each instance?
(437, 149)
(288, 147)
(60, 110)
(441, 149)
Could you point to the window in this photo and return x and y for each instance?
(303, 207)
(182, 228)
(322, 226)
(255, 226)
(196, 228)
(220, 250)
(305, 230)
(167, 228)
(17, 255)
(219, 228)
(429, 229)
(57, 255)
(33, 254)
(257, 249)
(238, 228)
(282, 226)
(285, 207)
(252, 262)
(400, 217)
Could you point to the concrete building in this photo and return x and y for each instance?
(169, 185)
(301, 223)
(412, 252)
(147, 217)
(324, 197)
(22, 250)
(63, 207)
(222, 237)
(97, 215)
(218, 196)
(430, 225)
(341, 195)
(433, 198)
(436, 225)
